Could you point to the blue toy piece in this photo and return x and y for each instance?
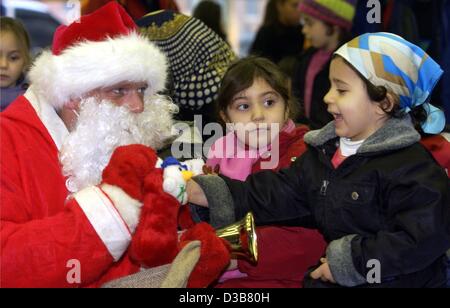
(172, 161)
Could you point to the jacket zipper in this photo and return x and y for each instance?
(323, 188)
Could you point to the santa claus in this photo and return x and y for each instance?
(78, 176)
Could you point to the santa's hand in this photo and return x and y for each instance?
(214, 255)
(123, 180)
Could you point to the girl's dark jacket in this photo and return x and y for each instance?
(388, 203)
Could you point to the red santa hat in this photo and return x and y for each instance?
(98, 50)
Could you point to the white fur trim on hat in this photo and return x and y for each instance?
(90, 65)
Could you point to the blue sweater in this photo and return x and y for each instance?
(8, 95)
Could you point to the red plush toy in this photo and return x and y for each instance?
(155, 241)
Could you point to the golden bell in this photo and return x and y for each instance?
(241, 236)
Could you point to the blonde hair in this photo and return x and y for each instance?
(18, 30)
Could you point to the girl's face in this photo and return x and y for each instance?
(12, 60)
(258, 113)
(356, 116)
(316, 30)
(288, 12)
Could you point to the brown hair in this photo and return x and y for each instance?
(391, 108)
(241, 75)
(271, 15)
(19, 31)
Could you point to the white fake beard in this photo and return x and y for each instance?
(102, 127)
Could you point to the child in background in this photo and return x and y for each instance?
(14, 60)
(326, 26)
(210, 13)
(280, 36)
(255, 91)
(376, 194)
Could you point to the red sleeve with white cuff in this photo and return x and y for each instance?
(89, 230)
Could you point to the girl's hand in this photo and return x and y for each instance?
(323, 272)
(195, 194)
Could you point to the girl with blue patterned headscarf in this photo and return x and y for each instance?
(402, 68)
(393, 67)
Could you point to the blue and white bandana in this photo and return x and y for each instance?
(386, 59)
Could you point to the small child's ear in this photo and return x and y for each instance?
(387, 104)
(392, 101)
